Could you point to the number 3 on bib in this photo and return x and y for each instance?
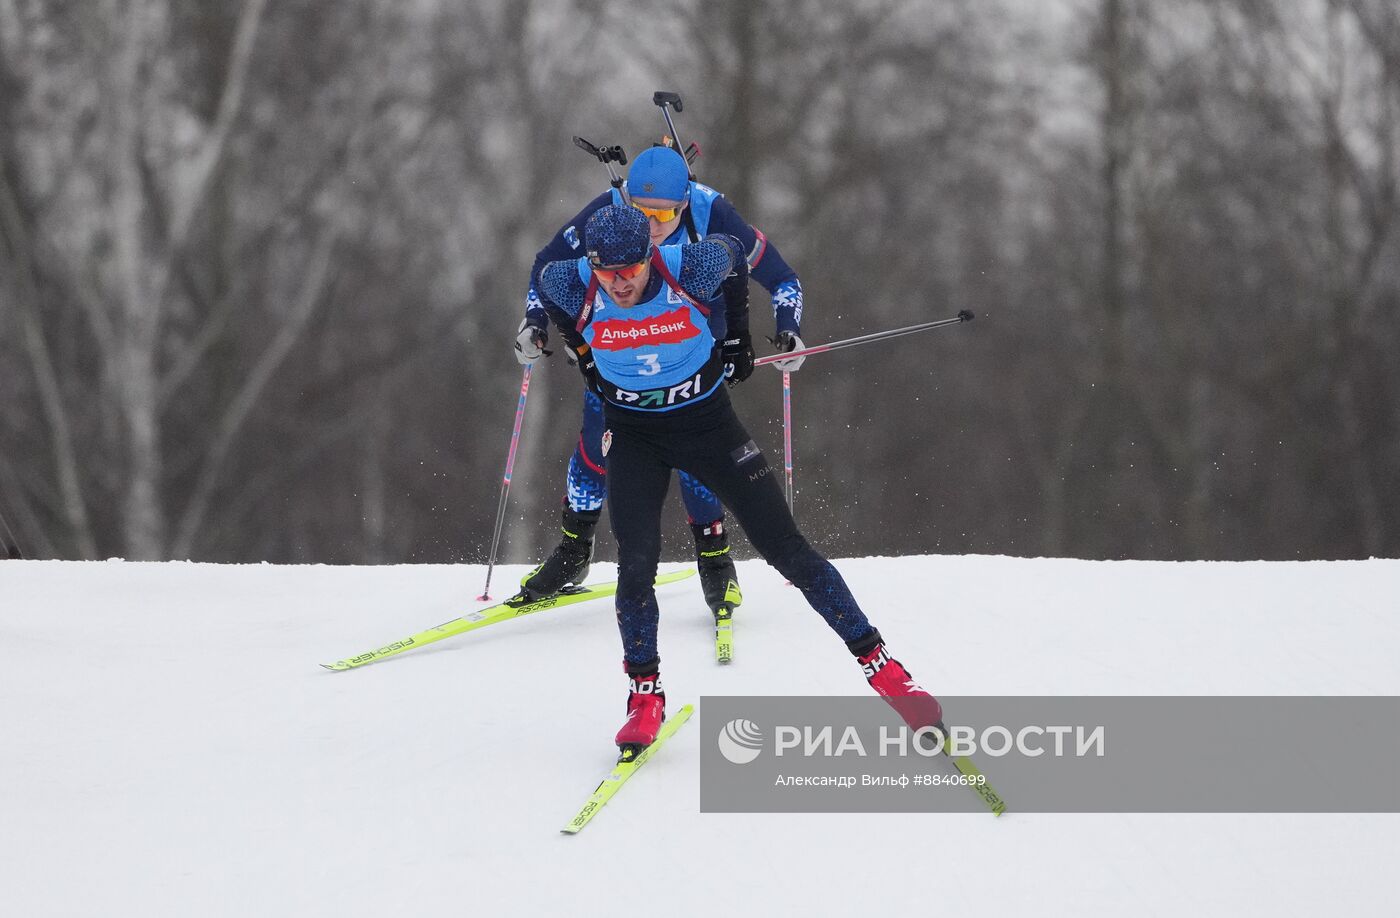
(651, 368)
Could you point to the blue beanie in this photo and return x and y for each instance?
(617, 235)
(659, 172)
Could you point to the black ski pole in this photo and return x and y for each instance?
(961, 317)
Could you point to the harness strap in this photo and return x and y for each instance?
(586, 312)
(660, 264)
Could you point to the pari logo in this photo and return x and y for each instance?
(740, 741)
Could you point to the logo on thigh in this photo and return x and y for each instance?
(744, 453)
(607, 442)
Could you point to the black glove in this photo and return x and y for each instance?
(589, 371)
(737, 354)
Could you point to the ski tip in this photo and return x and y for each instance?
(672, 576)
(333, 667)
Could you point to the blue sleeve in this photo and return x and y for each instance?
(534, 309)
(561, 295)
(566, 245)
(704, 266)
(729, 311)
(766, 265)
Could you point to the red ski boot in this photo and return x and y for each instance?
(889, 678)
(646, 709)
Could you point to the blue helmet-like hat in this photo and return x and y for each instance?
(659, 172)
(616, 235)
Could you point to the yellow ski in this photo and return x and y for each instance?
(979, 781)
(624, 770)
(511, 608)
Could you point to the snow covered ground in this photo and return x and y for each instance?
(168, 745)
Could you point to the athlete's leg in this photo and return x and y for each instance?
(638, 483)
(587, 484)
(586, 488)
(701, 504)
(729, 462)
(719, 581)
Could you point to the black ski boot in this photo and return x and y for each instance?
(717, 576)
(571, 559)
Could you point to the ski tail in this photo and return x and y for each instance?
(624, 770)
(724, 623)
(724, 634)
(979, 784)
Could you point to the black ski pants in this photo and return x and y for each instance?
(708, 441)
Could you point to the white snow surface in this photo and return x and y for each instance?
(169, 746)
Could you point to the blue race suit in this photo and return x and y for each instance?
(659, 376)
(709, 212)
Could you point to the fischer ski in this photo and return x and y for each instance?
(724, 622)
(626, 766)
(724, 634)
(511, 608)
(979, 783)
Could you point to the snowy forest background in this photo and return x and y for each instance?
(261, 264)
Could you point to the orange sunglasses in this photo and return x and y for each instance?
(627, 273)
(660, 215)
